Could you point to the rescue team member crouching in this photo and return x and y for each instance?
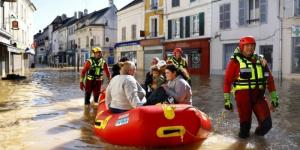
(249, 78)
(92, 75)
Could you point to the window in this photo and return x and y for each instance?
(228, 52)
(195, 25)
(87, 41)
(297, 7)
(154, 27)
(133, 32)
(175, 3)
(154, 4)
(79, 43)
(192, 1)
(252, 11)
(296, 55)
(176, 27)
(225, 16)
(123, 33)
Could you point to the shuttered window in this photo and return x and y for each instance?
(169, 29)
(201, 24)
(242, 12)
(225, 16)
(133, 32)
(181, 27)
(263, 10)
(123, 33)
(187, 26)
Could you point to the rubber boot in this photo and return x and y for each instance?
(244, 130)
(87, 98)
(264, 128)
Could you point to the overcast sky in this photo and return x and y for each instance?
(47, 10)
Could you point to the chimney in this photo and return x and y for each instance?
(80, 14)
(85, 12)
(63, 16)
(111, 3)
(75, 14)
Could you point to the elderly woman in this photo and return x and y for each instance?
(177, 88)
(124, 92)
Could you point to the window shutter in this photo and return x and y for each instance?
(242, 12)
(201, 24)
(181, 27)
(263, 11)
(221, 17)
(187, 26)
(169, 29)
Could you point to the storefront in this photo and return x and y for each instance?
(132, 50)
(152, 48)
(197, 53)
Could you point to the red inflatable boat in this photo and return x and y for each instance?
(152, 126)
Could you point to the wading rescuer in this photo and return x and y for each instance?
(250, 77)
(91, 76)
(181, 63)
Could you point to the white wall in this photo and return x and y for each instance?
(265, 34)
(23, 13)
(289, 20)
(130, 16)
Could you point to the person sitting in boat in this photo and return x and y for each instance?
(148, 79)
(177, 88)
(124, 92)
(116, 67)
(156, 80)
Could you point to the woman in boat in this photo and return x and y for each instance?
(124, 92)
(177, 88)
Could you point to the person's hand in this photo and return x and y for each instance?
(81, 86)
(274, 99)
(227, 102)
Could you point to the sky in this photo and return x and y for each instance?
(47, 10)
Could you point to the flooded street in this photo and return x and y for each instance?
(46, 111)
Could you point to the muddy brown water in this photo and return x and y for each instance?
(46, 111)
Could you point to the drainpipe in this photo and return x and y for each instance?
(280, 17)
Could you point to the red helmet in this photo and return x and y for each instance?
(246, 40)
(177, 50)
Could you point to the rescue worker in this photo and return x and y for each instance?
(91, 76)
(179, 62)
(250, 76)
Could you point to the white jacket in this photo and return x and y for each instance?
(124, 92)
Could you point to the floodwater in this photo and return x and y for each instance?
(46, 111)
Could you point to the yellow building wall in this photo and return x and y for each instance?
(160, 21)
(150, 13)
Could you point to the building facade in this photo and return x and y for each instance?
(237, 18)
(154, 31)
(16, 36)
(97, 29)
(188, 26)
(130, 32)
(290, 41)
